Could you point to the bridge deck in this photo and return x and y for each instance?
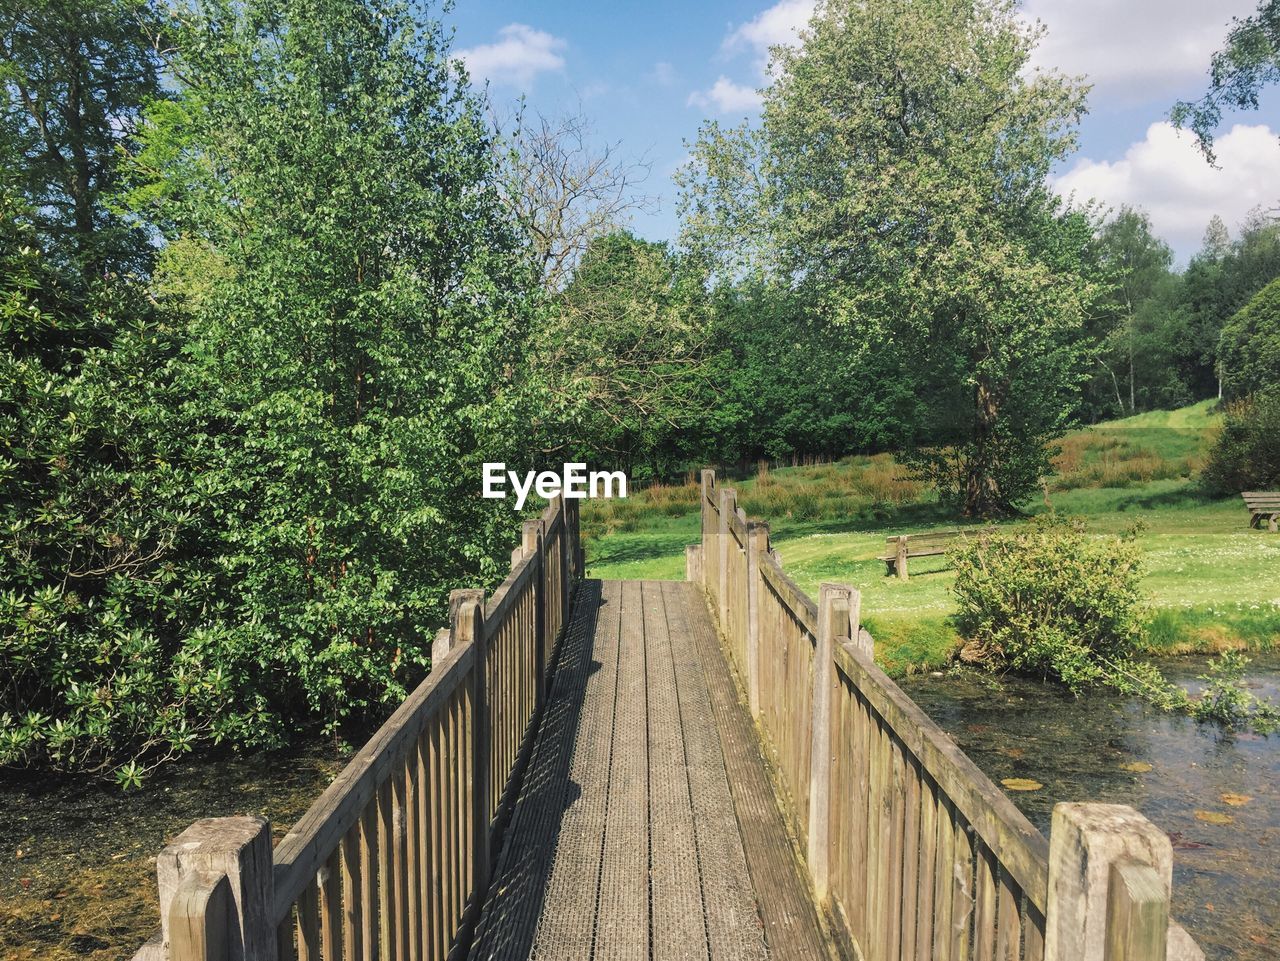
(645, 827)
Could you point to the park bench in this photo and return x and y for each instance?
(900, 548)
(1263, 506)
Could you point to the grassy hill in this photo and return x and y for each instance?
(1213, 582)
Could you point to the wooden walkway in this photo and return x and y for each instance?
(646, 826)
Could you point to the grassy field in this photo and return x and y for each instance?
(1213, 582)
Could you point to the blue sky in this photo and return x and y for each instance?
(648, 73)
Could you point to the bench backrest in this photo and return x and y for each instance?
(935, 542)
(1262, 500)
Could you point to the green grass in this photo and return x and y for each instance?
(1212, 581)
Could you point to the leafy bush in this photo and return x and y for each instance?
(1246, 454)
(1050, 600)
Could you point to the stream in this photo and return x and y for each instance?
(1216, 793)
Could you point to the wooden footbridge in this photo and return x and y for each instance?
(711, 770)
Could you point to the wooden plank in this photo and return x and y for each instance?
(911, 879)
(386, 859)
(309, 924)
(984, 925)
(795, 600)
(199, 917)
(926, 880)
(330, 903)
(1137, 913)
(897, 845)
(943, 901)
(1001, 826)
(962, 891)
(1008, 917)
(369, 882)
(352, 900)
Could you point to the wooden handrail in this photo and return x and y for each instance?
(912, 851)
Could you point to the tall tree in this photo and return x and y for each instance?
(899, 178)
(74, 75)
(358, 349)
(1249, 61)
(1138, 263)
(566, 189)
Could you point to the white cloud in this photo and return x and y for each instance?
(726, 97)
(517, 57)
(1137, 51)
(778, 25)
(663, 74)
(1166, 175)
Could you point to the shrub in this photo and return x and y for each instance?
(1246, 454)
(1049, 599)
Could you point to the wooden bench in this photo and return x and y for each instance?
(1263, 506)
(898, 549)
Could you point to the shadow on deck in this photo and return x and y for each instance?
(645, 826)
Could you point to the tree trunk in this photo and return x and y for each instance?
(982, 491)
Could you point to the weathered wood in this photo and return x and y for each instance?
(901, 554)
(199, 918)
(693, 563)
(1137, 913)
(795, 600)
(1086, 840)
(469, 626)
(833, 621)
(728, 498)
(757, 547)
(1005, 830)
(1263, 505)
(240, 849)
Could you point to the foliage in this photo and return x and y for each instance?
(625, 356)
(898, 181)
(109, 641)
(353, 359)
(1250, 347)
(1050, 599)
(1248, 61)
(73, 76)
(1225, 699)
(1246, 453)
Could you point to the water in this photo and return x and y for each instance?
(77, 856)
(1215, 793)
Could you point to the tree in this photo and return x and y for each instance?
(625, 355)
(358, 329)
(1250, 348)
(75, 74)
(1138, 263)
(1249, 61)
(565, 191)
(899, 178)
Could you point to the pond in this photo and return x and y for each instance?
(77, 865)
(1217, 794)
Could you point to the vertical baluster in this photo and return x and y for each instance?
(352, 896)
(386, 883)
(309, 924)
(1008, 920)
(370, 925)
(928, 870)
(910, 856)
(329, 882)
(984, 922)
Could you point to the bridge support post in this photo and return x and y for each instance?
(217, 894)
(834, 606)
(693, 563)
(728, 504)
(1110, 871)
(757, 546)
(468, 625)
(532, 538)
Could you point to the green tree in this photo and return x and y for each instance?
(625, 355)
(1250, 347)
(1249, 61)
(898, 178)
(359, 314)
(74, 75)
(1137, 264)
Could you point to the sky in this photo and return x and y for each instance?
(648, 73)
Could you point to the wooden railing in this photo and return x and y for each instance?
(393, 859)
(912, 851)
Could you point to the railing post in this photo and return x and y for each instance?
(728, 504)
(757, 546)
(566, 570)
(468, 625)
(1110, 871)
(217, 894)
(708, 485)
(693, 563)
(900, 564)
(834, 604)
(531, 543)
